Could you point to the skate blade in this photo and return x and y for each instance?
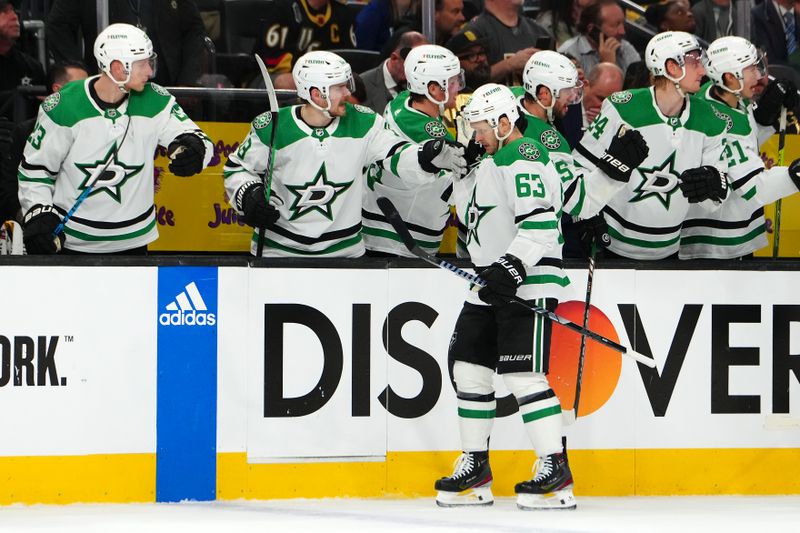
(559, 500)
(473, 496)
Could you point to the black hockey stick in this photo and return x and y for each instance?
(273, 109)
(776, 226)
(394, 218)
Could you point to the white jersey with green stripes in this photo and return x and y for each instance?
(737, 227)
(424, 208)
(510, 204)
(645, 217)
(318, 178)
(74, 138)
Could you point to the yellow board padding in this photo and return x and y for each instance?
(596, 473)
(118, 478)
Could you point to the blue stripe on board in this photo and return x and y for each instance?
(186, 427)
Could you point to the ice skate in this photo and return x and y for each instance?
(470, 483)
(551, 486)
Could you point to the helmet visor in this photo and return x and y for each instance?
(760, 65)
(695, 57)
(572, 95)
(151, 62)
(457, 82)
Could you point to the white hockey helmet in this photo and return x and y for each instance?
(124, 43)
(733, 55)
(322, 70)
(432, 63)
(490, 102)
(670, 45)
(556, 72)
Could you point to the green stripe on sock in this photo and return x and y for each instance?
(475, 413)
(541, 413)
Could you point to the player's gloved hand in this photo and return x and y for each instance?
(37, 230)
(794, 172)
(627, 151)
(502, 278)
(777, 94)
(440, 154)
(186, 154)
(703, 183)
(593, 232)
(252, 201)
(473, 153)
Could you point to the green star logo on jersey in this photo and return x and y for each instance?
(660, 182)
(316, 195)
(550, 139)
(115, 174)
(475, 214)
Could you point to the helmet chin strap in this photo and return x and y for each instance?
(501, 140)
(548, 109)
(326, 111)
(677, 81)
(437, 102)
(736, 92)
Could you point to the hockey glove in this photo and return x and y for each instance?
(186, 154)
(593, 232)
(37, 230)
(703, 183)
(794, 173)
(253, 203)
(502, 278)
(777, 94)
(473, 153)
(439, 154)
(627, 151)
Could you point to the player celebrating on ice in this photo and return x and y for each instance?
(737, 227)
(311, 205)
(434, 77)
(99, 135)
(685, 140)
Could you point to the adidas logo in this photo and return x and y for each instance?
(188, 309)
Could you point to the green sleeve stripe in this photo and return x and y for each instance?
(347, 243)
(475, 413)
(228, 173)
(749, 194)
(23, 177)
(641, 242)
(102, 238)
(579, 206)
(396, 159)
(545, 224)
(375, 232)
(541, 279)
(541, 413)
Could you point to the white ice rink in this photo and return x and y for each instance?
(728, 514)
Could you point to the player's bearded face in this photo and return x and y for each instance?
(484, 135)
(337, 95)
(751, 77)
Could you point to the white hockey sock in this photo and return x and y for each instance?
(540, 410)
(476, 405)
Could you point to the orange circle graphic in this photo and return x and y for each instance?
(601, 367)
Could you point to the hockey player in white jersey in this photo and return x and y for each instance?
(108, 126)
(509, 205)
(321, 148)
(737, 227)
(682, 133)
(433, 77)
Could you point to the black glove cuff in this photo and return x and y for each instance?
(614, 168)
(240, 194)
(191, 141)
(794, 173)
(426, 154)
(40, 210)
(514, 266)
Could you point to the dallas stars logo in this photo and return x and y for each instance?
(660, 182)
(435, 129)
(316, 195)
(475, 214)
(114, 174)
(550, 139)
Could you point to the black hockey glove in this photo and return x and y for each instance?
(777, 94)
(473, 153)
(627, 151)
(440, 154)
(703, 183)
(593, 232)
(794, 173)
(186, 154)
(37, 230)
(253, 203)
(502, 278)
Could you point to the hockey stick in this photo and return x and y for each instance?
(90, 186)
(273, 109)
(572, 414)
(776, 234)
(391, 214)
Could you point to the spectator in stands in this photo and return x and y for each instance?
(715, 18)
(375, 21)
(775, 27)
(16, 67)
(59, 75)
(299, 26)
(448, 18)
(511, 37)
(604, 80)
(602, 37)
(674, 15)
(175, 27)
(637, 76)
(471, 52)
(385, 81)
(562, 17)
